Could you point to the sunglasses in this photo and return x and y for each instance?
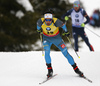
(76, 5)
(48, 19)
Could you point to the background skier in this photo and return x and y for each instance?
(78, 24)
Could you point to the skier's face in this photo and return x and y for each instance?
(48, 21)
(76, 8)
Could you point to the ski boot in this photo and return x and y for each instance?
(50, 70)
(76, 69)
(91, 48)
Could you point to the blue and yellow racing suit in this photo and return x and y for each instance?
(51, 36)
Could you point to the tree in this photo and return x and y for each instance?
(19, 33)
(16, 34)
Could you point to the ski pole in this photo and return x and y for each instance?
(42, 44)
(72, 47)
(71, 43)
(92, 32)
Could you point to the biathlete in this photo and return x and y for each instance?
(49, 26)
(78, 24)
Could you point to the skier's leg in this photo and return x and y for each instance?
(85, 38)
(64, 51)
(75, 36)
(47, 46)
(70, 59)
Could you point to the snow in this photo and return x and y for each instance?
(29, 69)
(19, 14)
(26, 4)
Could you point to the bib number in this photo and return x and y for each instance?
(76, 20)
(49, 32)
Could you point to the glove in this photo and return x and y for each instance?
(40, 31)
(66, 34)
(66, 18)
(82, 25)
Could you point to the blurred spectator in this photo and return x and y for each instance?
(95, 18)
(92, 22)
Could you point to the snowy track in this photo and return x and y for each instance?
(28, 69)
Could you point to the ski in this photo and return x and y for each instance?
(84, 77)
(47, 79)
